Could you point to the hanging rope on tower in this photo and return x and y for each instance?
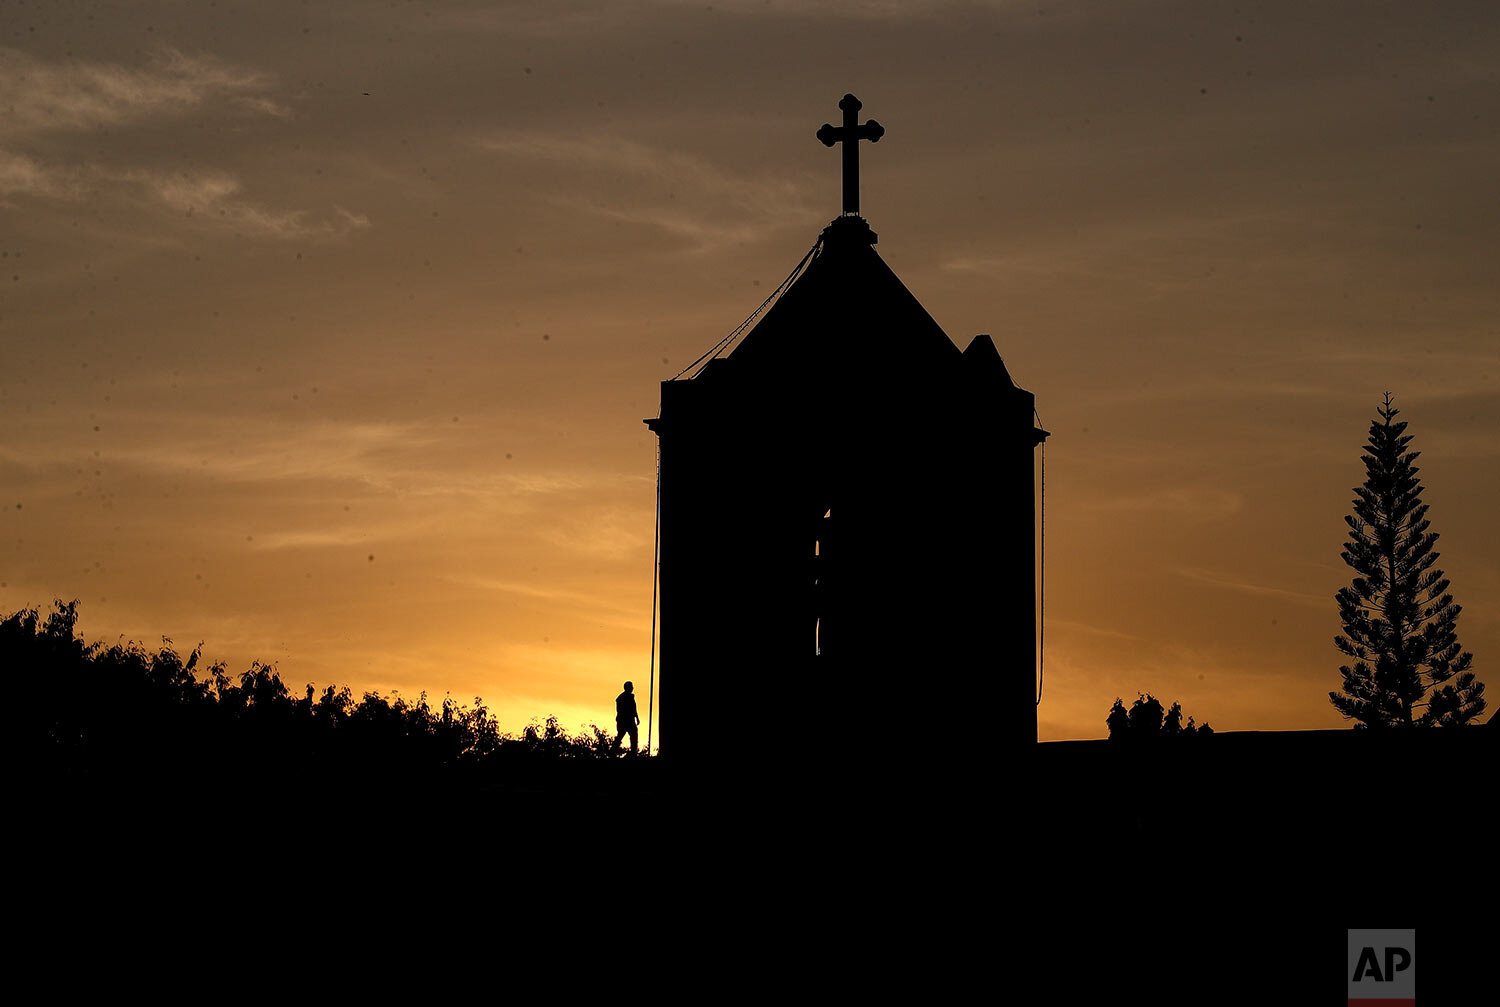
(713, 351)
(1041, 564)
(723, 344)
(655, 581)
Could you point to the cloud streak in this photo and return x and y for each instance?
(214, 200)
(1205, 503)
(25, 176)
(1216, 579)
(211, 200)
(43, 99)
(40, 96)
(759, 205)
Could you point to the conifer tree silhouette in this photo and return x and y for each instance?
(1400, 622)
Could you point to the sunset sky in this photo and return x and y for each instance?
(294, 359)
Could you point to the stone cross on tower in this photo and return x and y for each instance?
(849, 134)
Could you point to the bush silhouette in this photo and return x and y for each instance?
(91, 712)
(1147, 721)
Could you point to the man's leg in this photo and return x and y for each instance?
(635, 735)
(620, 733)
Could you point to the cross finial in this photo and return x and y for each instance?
(849, 134)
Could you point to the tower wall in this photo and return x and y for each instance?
(928, 589)
(847, 399)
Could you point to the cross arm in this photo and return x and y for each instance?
(831, 134)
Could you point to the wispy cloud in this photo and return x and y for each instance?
(280, 451)
(211, 199)
(598, 17)
(214, 199)
(1191, 501)
(384, 456)
(41, 96)
(702, 232)
(679, 182)
(1088, 628)
(318, 539)
(602, 533)
(264, 106)
(589, 601)
(1229, 582)
(25, 176)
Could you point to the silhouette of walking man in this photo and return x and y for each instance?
(627, 721)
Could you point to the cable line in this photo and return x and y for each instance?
(713, 351)
(655, 581)
(1041, 563)
(723, 344)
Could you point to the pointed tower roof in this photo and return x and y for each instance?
(846, 309)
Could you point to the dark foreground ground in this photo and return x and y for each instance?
(1298, 801)
(1226, 869)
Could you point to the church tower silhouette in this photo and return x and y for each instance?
(846, 508)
